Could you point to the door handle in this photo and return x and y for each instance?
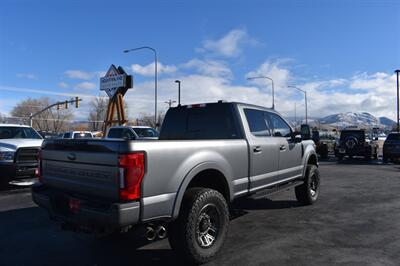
(257, 149)
(282, 148)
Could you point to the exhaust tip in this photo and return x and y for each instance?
(150, 233)
(161, 232)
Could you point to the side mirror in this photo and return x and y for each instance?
(297, 138)
(305, 132)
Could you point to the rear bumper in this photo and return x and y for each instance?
(93, 215)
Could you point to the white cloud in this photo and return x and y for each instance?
(62, 85)
(148, 70)
(229, 45)
(272, 69)
(26, 75)
(85, 85)
(78, 74)
(209, 67)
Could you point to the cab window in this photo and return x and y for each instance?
(279, 126)
(258, 123)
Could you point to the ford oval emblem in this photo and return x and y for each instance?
(71, 156)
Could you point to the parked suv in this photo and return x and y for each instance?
(207, 155)
(19, 147)
(391, 147)
(353, 142)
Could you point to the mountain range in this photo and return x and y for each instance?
(341, 120)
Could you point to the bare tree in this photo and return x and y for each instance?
(97, 113)
(146, 119)
(50, 120)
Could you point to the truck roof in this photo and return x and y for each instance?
(226, 102)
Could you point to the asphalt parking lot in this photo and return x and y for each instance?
(355, 222)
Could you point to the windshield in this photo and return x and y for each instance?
(18, 133)
(83, 135)
(146, 132)
(393, 137)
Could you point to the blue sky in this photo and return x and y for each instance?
(342, 52)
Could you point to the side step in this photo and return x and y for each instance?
(276, 188)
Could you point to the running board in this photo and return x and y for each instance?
(276, 188)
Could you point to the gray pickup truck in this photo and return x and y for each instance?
(207, 155)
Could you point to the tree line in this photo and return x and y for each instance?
(62, 119)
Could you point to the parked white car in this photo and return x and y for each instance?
(132, 132)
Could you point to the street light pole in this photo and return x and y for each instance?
(155, 76)
(305, 99)
(273, 88)
(179, 91)
(398, 118)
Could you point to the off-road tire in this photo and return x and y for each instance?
(303, 192)
(183, 231)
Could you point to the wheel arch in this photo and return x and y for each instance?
(208, 175)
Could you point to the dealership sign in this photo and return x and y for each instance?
(115, 81)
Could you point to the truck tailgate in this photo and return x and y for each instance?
(88, 167)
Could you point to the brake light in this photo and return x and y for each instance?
(38, 171)
(196, 105)
(131, 172)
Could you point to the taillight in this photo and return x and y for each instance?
(39, 169)
(131, 172)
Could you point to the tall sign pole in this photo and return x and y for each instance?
(115, 83)
(398, 118)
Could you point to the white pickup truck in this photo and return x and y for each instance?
(19, 146)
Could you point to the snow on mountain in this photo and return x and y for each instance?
(363, 119)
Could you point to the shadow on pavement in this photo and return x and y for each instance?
(42, 242)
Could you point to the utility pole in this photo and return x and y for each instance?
(397, 111)
(170, 102)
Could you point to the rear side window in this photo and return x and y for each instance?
(213, 121)
(67, 135)
(257, 121)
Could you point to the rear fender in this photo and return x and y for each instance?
(189, 177)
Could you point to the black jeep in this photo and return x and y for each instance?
(354, 143)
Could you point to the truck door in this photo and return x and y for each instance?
(263, 151)
(290, 153)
